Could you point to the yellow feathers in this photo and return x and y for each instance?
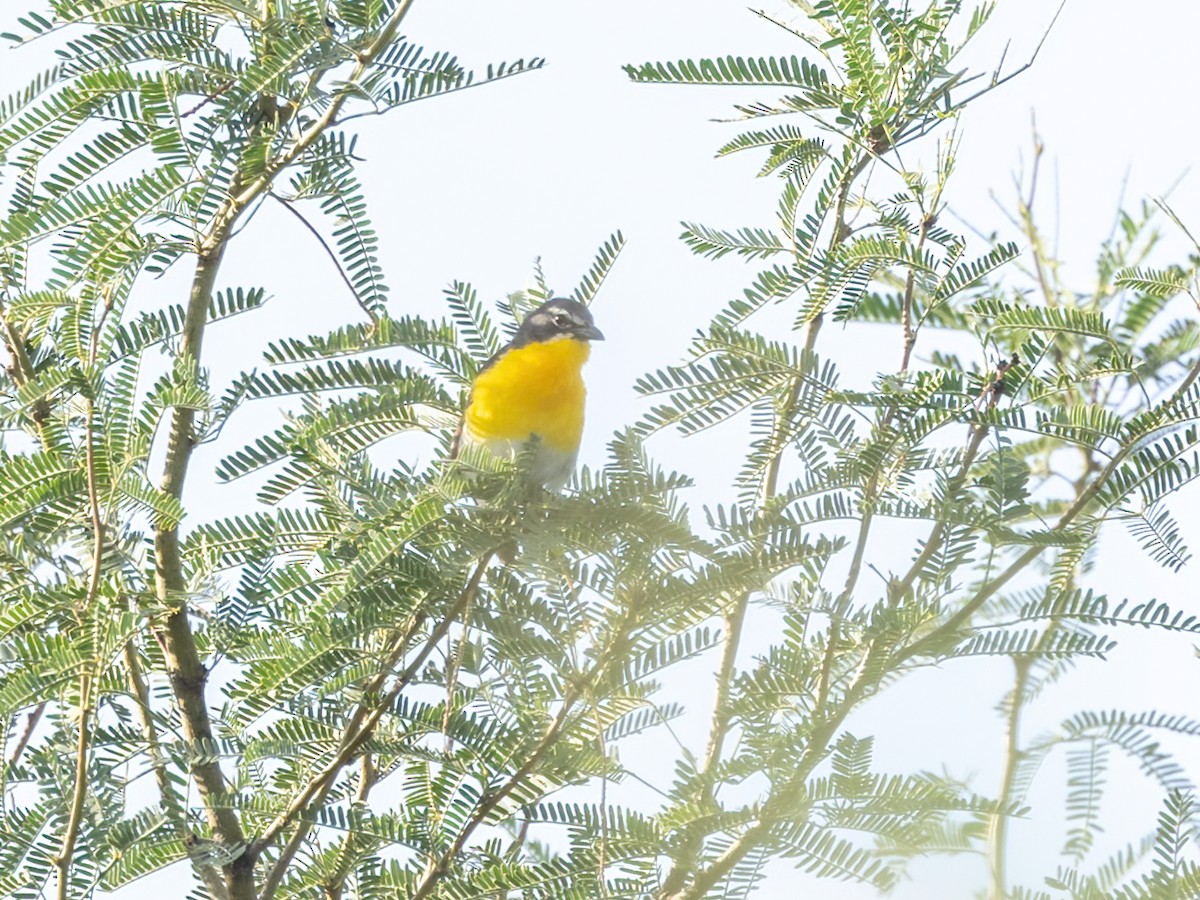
(534, 390)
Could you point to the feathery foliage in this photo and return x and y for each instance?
(337, 689)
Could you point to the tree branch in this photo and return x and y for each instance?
(684, 861)
(188, 673)
(66, 853)
(366, 58)
(438, 868)
(335, 885)
(171, 800)
(21, 369)
(998, 830)
(705, 878)
(357, 731)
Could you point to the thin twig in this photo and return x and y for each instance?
(614, 653)
(940, 530)
(602, 853)
(188, 672)
(31, 723)
(453, 662)
(998, 828)
(290, 207)
(66, 853)
(997, 81)
(1025, 208)
(357, 731)
(209, 99)
(365, 60)
(1082, 501)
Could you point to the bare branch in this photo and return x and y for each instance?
(31, 724)
(66, 853)
(291, 207)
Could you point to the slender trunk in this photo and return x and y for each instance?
(998, 829)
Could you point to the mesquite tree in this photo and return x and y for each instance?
(345, 690)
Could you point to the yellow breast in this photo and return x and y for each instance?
(532, 390)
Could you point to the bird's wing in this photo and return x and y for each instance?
(456, 441)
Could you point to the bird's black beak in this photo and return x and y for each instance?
(591, 333)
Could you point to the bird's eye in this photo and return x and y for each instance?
(562, 320)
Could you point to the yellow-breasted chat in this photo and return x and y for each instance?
(532, 392)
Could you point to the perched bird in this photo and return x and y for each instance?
(532, 390)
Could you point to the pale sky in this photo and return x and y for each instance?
(474, 187)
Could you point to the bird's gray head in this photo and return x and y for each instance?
(560, 317)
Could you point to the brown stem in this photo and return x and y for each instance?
(583, 687)
(93, 492)
(710, 875)
(188, 673)
(1188, 380)
(735, 621)
(439, 867)
(814, 328)
(910, 336)
(998, 829)
(294, 843)
(31, 723)
(864, 529)
(66, 852)
(171, 800)
(721, 866)
(357, 731)
(684, 861)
